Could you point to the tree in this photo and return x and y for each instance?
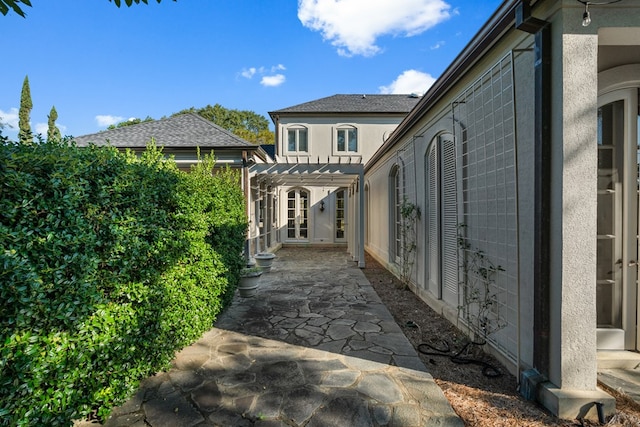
(24, 115)
(7, 5)
(130, 122)
(53, 133)
(3, 138)
(244, 123)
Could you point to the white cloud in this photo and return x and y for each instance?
(10, 118)
(354, 25)
(275, 80)
(42, 128)
(438, 45)
(108, 120)
(410, 81)
(247, 73)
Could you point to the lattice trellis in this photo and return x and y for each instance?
(484, 128)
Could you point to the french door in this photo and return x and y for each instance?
(340, 216)
(618, 220)
(298, 215)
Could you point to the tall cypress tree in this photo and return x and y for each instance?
(53, 133)
(24, 115)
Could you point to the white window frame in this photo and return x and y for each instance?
(296, 128)
(346, 128)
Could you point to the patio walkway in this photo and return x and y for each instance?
(315, 347)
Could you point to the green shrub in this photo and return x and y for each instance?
(109, 264)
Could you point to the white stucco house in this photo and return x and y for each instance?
(309, 195)
(525, 152)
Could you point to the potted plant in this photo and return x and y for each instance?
(249, 280)
(264, 260)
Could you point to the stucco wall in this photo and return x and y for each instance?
(321, 223)
(321, 135)
(413, 150)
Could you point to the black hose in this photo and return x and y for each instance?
(488, 370)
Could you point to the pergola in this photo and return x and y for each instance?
(343, 172)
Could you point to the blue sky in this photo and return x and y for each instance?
(99, 64)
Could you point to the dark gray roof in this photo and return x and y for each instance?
(182, 131)
(380, 104)
(270, 149)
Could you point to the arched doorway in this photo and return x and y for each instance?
(618, 219)
(298, 214)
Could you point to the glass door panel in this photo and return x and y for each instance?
(304, 215)
(340, 215)
(614, 223)
(297, 215)
(609, 223)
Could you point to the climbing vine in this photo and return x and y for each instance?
(479, 307)
(410, 214)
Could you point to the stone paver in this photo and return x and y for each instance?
(314, 347)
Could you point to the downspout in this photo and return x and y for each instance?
(542, 182)
(542, 225)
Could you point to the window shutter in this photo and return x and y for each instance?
(432, 221)
(449, 223)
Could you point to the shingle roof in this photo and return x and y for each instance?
(181, 131)
(355, 104)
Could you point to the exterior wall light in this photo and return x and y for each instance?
(322, 206)
(586, 16)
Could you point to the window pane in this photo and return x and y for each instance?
(302, 140)
(341, 137)
(353, 140)
(292, 140)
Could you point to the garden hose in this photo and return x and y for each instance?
(488, 370)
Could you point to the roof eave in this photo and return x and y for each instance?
(493, 30)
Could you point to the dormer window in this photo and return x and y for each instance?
(346, 139)
(297, 140)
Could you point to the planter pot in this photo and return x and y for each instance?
(264, 260)
(249, 281)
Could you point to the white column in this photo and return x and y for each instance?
(361, 224)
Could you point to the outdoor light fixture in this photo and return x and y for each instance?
(586, 16)
(322, 206)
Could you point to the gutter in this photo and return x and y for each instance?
(500, 22)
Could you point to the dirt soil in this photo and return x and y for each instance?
(478, 399)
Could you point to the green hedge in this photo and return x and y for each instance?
(109, 263)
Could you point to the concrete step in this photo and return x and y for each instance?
(618, 359)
